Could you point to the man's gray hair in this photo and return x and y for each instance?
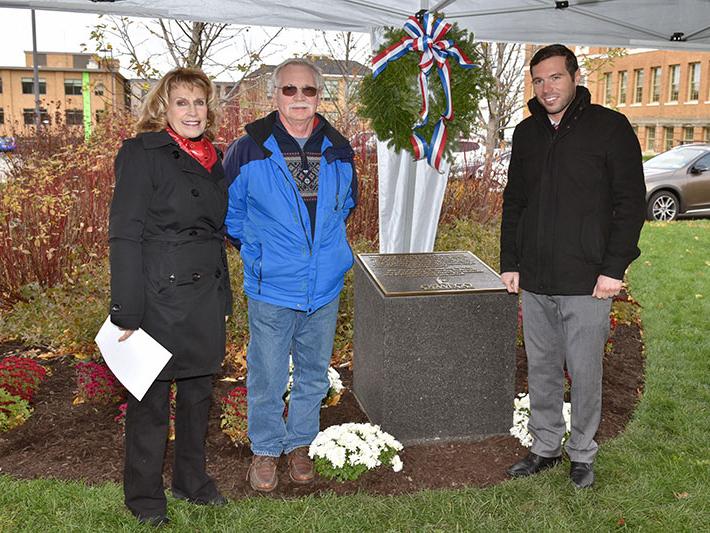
(302, 62)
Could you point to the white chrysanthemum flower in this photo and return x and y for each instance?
(354, 444)
(334, 380)
(521, 417)
(397, 464)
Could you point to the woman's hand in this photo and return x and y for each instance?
(126, 333)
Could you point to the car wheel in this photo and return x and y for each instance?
(663, 205)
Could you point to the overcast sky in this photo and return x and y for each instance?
(65, 32)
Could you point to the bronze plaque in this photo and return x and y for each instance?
(430, 273)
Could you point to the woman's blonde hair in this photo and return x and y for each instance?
(155, 105)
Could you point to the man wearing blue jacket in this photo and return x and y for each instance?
(292, 186)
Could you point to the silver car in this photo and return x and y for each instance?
(678, 182)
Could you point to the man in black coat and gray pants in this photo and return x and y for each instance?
(573, 209)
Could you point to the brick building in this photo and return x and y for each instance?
(74, 86)
(665, 94)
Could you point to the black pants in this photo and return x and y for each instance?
(147, 424)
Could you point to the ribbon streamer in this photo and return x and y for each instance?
(427, 38)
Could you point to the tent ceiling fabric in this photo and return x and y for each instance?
(628, 23)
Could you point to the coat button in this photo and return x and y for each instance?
(171, 278)
(218, 273)
(195, 193)
(193, 233)
(176, 154)
(196, 276)
(115, 308)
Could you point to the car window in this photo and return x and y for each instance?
(674, 159)
(703, 163)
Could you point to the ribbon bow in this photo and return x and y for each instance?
(427, 38)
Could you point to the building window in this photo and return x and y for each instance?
(0, 85)
(331, 90)
(28, 114)
(81, 60)
(655, 84)
(651, 138)
(638, 85)
(27, 86)
(72, 87)
(668, 137)
(2, 116)
(623, 83)
(706, 134)
(352, 88)
(688, 134)
(74, 117)
(694, 81)
(607, 88)
(673, 83)
(99, 89)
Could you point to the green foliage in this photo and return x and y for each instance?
(233, 419)
(481, 239)
(625, 312)
(238, 325)
(14, 411)
(392, 101)
(349, 471)
(63, 318)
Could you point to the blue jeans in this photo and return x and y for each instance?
(275, 332)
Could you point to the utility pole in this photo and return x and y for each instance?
(35, 69)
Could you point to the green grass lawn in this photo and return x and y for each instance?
(655, 477)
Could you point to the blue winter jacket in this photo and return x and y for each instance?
(285, 263)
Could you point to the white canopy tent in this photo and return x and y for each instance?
(411, 192)
(628, 23)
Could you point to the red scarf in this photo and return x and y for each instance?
(203, 150)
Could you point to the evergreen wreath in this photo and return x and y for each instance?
(392, 101)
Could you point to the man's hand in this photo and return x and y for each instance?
(510, 280)
(126, 333)
(606, 287)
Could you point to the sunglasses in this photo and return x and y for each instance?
(291, 90)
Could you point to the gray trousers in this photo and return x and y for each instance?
(559, 330)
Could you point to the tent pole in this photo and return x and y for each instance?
(441, 5)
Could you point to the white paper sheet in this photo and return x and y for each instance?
(136, 362)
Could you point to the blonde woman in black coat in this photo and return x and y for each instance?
(169, 276)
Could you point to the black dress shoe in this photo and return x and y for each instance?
(532, 464)
(156, 520)
(581, 474)
(216, 500)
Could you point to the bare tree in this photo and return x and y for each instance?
(185, 43)
(503, 63)
(348, 53)
(591, 63)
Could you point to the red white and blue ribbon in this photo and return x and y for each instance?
(427, 38)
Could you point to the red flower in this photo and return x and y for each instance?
(21, 376)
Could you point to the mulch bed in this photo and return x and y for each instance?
(83, 442)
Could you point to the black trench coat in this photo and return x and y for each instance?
(169, 271)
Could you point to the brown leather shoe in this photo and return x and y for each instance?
(262, 473)
(300, 466)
